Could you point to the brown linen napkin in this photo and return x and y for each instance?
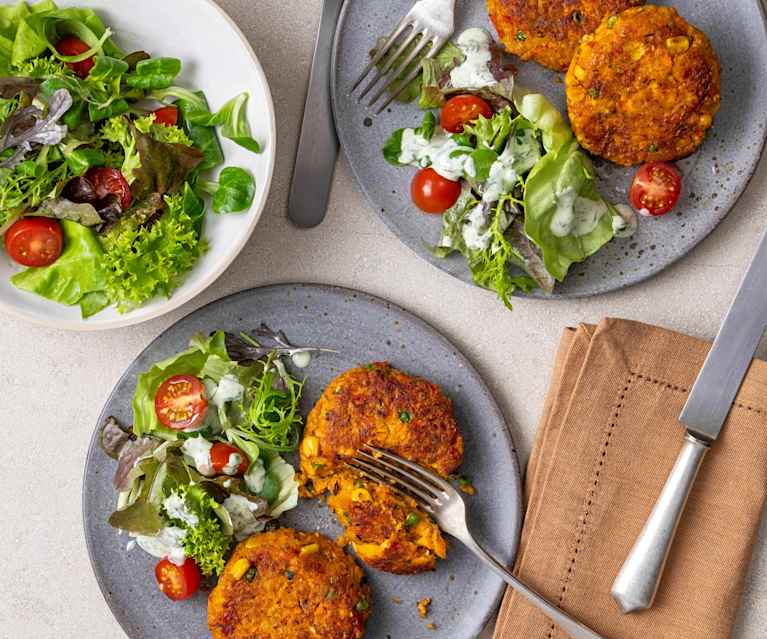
(608, 438)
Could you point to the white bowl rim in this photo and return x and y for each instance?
(178, 300)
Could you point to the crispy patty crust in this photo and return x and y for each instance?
(644, 87)
(384, 407)
(288, 584)
(548, 31)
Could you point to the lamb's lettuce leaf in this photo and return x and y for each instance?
(234, 191)
(154, 74)
(233, 120)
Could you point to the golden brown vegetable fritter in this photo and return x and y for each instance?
(288, 584)
(644, 87)
(548, 31)
(384, 407)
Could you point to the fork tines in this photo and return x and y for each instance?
(408, 33)
(426, 488)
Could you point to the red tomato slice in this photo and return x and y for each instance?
(110, 182)
(167, 116)
(433, 193)
(219, 459)
(180, 402)
(74, 46)
(656, 188)
(34, 241)
(463, 109)
(177, 582)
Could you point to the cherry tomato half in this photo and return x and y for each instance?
(167, 116)
(74, 46)
(110, 182)
(433, 193)
(219, 459)
(177, 582)
(180, 402)
(34, 241)
(656, 188)
(463, 109)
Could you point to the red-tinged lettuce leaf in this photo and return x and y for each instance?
(113, 438)
(127, 470)
(164, 167)
(10, 87)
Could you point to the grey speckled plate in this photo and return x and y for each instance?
(363, 329)
(714, 177)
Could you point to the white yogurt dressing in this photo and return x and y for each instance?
(627, 223)
(438, 153)
(176, 508)
(235, 459)
(198, 450)
(244, 521)
(473, 72)
(255, 477)
(167, 543)
(301, 360)
(576, 215)
(502, 177)
(476, 230)
(229, 389)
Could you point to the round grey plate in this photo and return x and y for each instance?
(363, 329)
(714, 177)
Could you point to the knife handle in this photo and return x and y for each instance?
(318, 143)
(637, 582)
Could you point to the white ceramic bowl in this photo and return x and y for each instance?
(218, 60)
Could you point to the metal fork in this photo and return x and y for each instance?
(433, 21)
(445, 504)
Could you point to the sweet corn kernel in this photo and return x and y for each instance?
(310, 446)
(678, 44)
(636, 50)
(311, 549)
(240, 568)
(361, 494)
(579, 72)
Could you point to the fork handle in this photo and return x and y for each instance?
(574, 628)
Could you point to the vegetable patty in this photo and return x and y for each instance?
(549, 32)
(413, 418)
(644, 87)
(291, 585)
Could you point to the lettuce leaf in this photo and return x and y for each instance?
(192, 361)
(76, 277)
(143, 261)
(567, 171)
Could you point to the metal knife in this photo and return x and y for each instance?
(318, 142)
(704, 414)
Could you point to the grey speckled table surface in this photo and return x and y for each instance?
(54, 383)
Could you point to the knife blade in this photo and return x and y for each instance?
(318, 143)
(704, 414)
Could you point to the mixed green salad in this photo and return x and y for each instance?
(103, 162)
(517, 193)
(202, 467)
